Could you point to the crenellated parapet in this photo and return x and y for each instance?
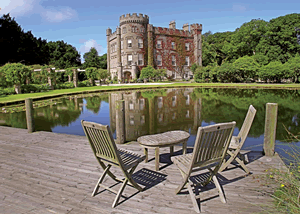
(134, 18)
(172, 32)
(113, 36)
(196, 27)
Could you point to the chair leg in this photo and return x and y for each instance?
(100, 180)
(195, 204)
(242, 165)
(181, 186)
(171, 150)
(157, 159)
(128, 175)
(221, 194)
(146, 154)
(226, 164)
(120, 193)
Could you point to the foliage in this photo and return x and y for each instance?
(63, 55)
(194, 67)
(274, 72)
(20, 46)
(293, 65)
(246, 68)
(226, 73)
(159, 74)
(65, 85)
(7, 91)
(103, 74)
(92, 73)
(15, 73)
(147, 72)
(92, 59)
(84, 83)
(33, 88)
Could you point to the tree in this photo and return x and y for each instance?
(16, 74)
(147, 72)
(92, 59)
(63, 55)
(194, 67)
(246, 68)
(294, 66)
(91, 74)
(103, 61)
(103, 74)
(274, 72)
(160, 73)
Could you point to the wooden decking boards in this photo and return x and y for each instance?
(44, 172)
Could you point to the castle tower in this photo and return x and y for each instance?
(196, 30)
(108, 33)
(133, 36)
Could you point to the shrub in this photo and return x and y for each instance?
(64, 85)
(7, 91)
(85, 83)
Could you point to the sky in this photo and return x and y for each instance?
(83, 24)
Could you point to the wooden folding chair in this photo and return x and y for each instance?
(209, 151)
(107, 154)
(237, 142)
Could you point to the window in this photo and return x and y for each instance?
(187, 46)
(111, 50)
(134, 29)
(160, 118)
(129, 43)
(173, 101)
(159, 43)
(187, 99)
(129, 59)
(173, 45)
(131, 120)
(174, 116)
(173, 60)
(187, 114)
(140, 43)
(142, 119)
(124, 30)
(142, 104)
(131, 105)
(160, 102)
(142, 30)
(140, 61)
(187, 60)
(121, 45)
(159, 63)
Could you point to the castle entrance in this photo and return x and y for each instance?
(127, 75)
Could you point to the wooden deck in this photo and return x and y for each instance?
(45, 172)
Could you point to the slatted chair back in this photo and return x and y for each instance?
(211, 144)
(101, 141)
(246, 126)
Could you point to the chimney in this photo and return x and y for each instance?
(172, 25)
(185, 27)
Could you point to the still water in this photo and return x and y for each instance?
(155, 111)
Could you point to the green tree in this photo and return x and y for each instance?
(103, 74)
(92, 74)
(194, 67)
(226, 73)
(160, 73)
(147, 72)
(103, 61)
(293, 65)
(274, 72)
(16, 74)
(63, 55)
(92, 59)
(246, 68)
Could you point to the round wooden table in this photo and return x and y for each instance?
(166, 139)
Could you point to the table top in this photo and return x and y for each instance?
(164, 139)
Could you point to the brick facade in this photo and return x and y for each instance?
(136, 44)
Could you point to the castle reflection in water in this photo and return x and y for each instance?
(134, 114)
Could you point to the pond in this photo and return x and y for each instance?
(155, 111)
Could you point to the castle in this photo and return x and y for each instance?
(136, 44)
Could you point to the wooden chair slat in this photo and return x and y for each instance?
(210, 148)
(106, 152)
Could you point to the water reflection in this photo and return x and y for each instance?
(132, 114)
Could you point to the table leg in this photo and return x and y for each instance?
(184, 147)
(171, 150)
(157, 159)
(146, 154)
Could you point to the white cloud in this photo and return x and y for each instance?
(18, 8)
(239, 8)
(90, 44)
(53, 15)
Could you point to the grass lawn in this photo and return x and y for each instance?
(9, 99)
